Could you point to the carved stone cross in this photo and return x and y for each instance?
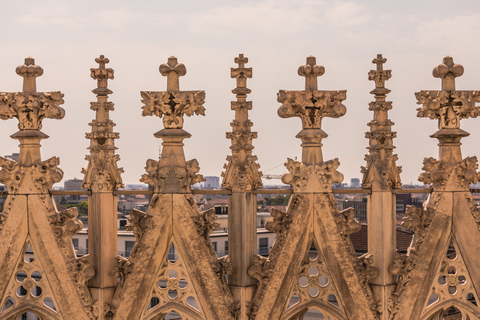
(173, 71)
(448, 71)
(311, 71)
(241, 74)
(29, 71)
(448, 105)
(379, 76)
(311, 105)
(379, 61)
(101, 74)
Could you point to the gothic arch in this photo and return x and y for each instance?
(462, 306)
(41, 313)
(159, 313)
(311, 304)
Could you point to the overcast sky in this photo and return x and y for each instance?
(65, 37)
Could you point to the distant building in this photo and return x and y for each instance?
(355, 183)
(211, 183)
(74, 185)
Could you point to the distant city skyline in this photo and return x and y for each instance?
(276, 36)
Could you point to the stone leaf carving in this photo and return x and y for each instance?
(402, 268)
(138, 223)
(222, 268)
(319, 177)
(241, 177)
(81, 271)
(444, 175)
(388, 173)
(123, 267)
(280, 223)
(173, 105)
(155, 175)
(205, 223)
(31, 108)
(450, 106)
(262, 270)
(418, 220)
(311, 106)
(346, 222)
(43, 174)
(189, 176)
(102, 172)
(65, 225)
(474, 209)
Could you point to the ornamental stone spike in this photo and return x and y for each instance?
(30, 108)
(241, 171)
(311, 106)
(380, 157)
(173, 71)
(29, 71)
(102, 173)
(449, 106)
(102, 74)
(172, 174)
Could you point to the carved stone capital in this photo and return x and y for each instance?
(102, 173)
(242, 176)
(30, 108)
(313, 178)
(171, 106)
(311, 106)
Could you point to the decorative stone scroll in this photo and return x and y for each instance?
(311, 106)
(102, 173)
(172, 174)
(381, 171)
(241, 172)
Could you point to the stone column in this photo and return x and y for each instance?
(102, 178)
(381, 177)
(242, 177)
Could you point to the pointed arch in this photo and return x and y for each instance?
(41, 313)
(470, 309)
(314, 304)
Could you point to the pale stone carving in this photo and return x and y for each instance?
(31, 216)
(173, 266)
(241, 171)
(448, 221)
(172, 173)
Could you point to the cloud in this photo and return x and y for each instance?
(272, 17)
(348, 14)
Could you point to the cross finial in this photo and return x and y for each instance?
(448, 71)
(102, 61)
(29, 71)
(101, 74)
(173, 71)
(311, 71)
(241, 74)
(241, 60)
(379, 61)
